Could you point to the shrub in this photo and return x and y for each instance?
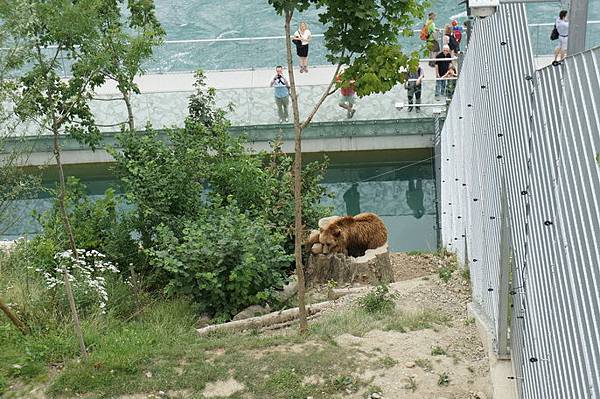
(177, 181)
(378, 300)
(224, 259)
(95, 224)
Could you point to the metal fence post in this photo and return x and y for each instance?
(504, 276)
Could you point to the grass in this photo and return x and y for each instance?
(451, 265)
(356, 321)
(425, 364)
(155, 347)
(411, 384)
(443, 380)
(438, 351)
(388, 362)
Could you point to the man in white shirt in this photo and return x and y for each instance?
(562, 26)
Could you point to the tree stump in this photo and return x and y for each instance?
(373, 267)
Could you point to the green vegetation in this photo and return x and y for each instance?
(425, 364)
(411, 384)
(388, 362)
(438, 351)
(444, 380)
(466, 273)
(420, 320)
(445, 273)
(145, 334)
(379, 300)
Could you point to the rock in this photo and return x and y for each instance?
(203, 321)
(409, 365)
(479, 395)
(252, 311)
(289, 290)
(376, 395)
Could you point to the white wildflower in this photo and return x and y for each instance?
(86, 272)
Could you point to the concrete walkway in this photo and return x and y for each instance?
(234, 79)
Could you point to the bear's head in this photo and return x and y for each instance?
(333, 239)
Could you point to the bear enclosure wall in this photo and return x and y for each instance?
(520, 203)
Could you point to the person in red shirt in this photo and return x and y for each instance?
(348, 97)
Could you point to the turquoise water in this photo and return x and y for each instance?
(210, 19)
(397, 185)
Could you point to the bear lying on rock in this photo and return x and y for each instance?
(350, 235)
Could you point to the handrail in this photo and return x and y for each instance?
(552, 23)
(261, 38)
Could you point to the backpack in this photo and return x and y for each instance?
(424, 35)
(457, 35)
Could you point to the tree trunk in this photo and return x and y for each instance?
(15, 320)
(297, 179)
(69, 231)
(127, 99)
(372, 268)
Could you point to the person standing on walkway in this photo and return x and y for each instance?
(428, 33)
(441, 68)
(562, 26)
(413, 88)
(301, 39)
(450, 40)
(450, 77)
(348, 97)
(282, 94)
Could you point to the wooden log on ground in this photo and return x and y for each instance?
(372, 268)
(280, 317)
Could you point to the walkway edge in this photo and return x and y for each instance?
(500, 370)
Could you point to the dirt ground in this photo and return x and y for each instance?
(464, 363)
(448, 362)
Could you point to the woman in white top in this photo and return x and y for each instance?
(302, 38)
(562, 26)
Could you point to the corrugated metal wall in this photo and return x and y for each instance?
(539, 132)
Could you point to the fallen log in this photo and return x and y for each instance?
(15, 320)
(258, 322)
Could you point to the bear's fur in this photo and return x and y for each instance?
(353, 235)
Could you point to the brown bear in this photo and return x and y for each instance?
(353, 235)
(313, 241)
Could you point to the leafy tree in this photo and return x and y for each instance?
(45, 31)
(364, 36)
(124, 45)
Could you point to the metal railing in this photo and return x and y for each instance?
(542, 45)
(520, 198)
(188, 55)
(256, 106)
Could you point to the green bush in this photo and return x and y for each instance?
(200, 183)
(225, 260)
(96, 226)
(379, 300)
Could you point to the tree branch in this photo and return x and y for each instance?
(326, 94)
